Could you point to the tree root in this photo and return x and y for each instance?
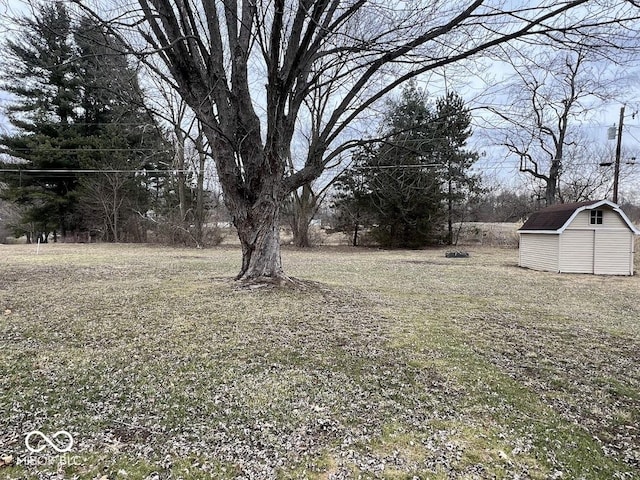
(283, 282)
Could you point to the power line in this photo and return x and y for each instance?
(31, 171)
(95, 124)
(422, 165)
(83, 150)
(81, 171)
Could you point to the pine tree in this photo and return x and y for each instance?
(405, 186)
(352, 199)
(41, 76)
(394, 184)
(453, 129)
(410, 181)
(78, 105)
(121, 136)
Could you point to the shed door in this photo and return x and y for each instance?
(613, 252)
(577, 251)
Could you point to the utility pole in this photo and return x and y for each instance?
(616, 171)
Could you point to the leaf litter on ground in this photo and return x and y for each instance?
(161, 367)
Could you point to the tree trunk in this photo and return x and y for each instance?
(301, 232)
(551, 190)
(114, 212)
(179, 161)
(450, 211)
(305, 205)
(200, 199)
(259, 235)
(199, 217)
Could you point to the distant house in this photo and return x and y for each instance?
(586, 237)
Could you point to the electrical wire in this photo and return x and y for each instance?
(380, 167)
(82, 171)
(85, 150)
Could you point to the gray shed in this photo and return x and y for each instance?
(585, 237)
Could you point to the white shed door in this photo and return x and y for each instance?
(577, 251)
(613, 252)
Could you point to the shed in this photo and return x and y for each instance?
(586, 237)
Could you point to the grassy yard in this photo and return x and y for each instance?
(394, 365)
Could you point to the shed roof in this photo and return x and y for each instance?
(556, 218)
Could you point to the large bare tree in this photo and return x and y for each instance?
(248, 67)
(551, 94)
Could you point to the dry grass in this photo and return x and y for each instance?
(398, 365)
(492, 234)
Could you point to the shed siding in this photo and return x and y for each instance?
(613, 252)
(577, 251)
(539, 251)
(610, 219)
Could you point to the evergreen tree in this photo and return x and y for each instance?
(402, 175)
(78, 105)
(351, 199)
(405, 181)
(121, 135)
(394, 184)
(40, 74)
(453, 129)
